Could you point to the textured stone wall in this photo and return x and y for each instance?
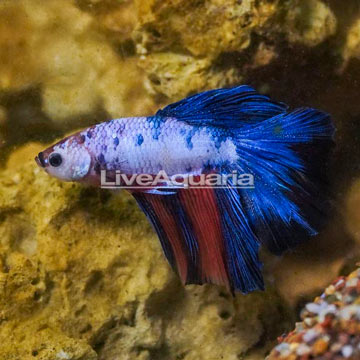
(82, 275)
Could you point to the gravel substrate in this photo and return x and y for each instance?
(330, 328)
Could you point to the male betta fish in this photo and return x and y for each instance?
(212, 234)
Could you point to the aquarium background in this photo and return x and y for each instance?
(82, 274)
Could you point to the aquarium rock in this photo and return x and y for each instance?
(82, 276)
(79, 62)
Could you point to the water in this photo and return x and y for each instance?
(82, 274)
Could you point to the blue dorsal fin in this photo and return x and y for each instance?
(228, 108)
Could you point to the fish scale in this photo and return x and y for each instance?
(164, 146)
(212, 234)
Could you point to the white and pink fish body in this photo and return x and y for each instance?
(142, 145)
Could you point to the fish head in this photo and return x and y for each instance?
(67, 160)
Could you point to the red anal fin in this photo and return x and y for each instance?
(201, 207)
(190, 229)
(206, 237)
(172, 231)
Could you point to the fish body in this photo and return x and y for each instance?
(147, 145)
(213, 234)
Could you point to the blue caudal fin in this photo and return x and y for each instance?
(213, 235)
(287, 153)
(288, 156)
(229, 108)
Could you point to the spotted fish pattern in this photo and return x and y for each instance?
(213, 235)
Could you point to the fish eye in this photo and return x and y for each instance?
(55, 159)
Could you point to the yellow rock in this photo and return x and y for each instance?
(352, 45)
(352, 211)
(64, 51)
(85, 61)
(206, 39)
(310, 22)
(202, 28)
(82, 276)
(166, 69)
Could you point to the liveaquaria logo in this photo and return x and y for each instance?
(118, 180)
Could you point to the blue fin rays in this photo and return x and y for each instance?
(229, 108)
(287, 154)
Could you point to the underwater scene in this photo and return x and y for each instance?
(179, 179)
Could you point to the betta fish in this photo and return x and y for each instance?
(212, 234)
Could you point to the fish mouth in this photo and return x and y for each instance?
(40, 160)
